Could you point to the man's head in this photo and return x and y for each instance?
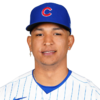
(46, 37)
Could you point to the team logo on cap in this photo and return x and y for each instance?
(43, 11)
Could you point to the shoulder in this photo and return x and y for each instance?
(16, 81)
(14, 86)
(82, 80)
(85, 85)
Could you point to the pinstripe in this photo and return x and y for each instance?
(24, 86)
(78, 79)
(50, 96)
(65, 90)
(78, 92)
(11, 91)
(85, 93)
(42, 95)
(57, 93)
(97, 92)
(18, 87)
(30, 88)
(5, 92)
(72, 90)
(91, 94)
(36, 92)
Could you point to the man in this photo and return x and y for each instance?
(48, 44)
(51, 79)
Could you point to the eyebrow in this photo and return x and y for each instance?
(40, 29)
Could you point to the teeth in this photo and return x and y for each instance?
(48, 51)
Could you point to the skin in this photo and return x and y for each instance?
(50, 70)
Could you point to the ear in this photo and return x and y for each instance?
(29, 42)
(70, 41)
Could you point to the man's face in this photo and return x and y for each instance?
(58, 39)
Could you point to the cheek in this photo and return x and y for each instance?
(62, 42)
(36, 45)
(63, 47)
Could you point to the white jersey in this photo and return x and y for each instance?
(25, 87)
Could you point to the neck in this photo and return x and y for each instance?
(50, 76)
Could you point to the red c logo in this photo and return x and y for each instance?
(43, 11)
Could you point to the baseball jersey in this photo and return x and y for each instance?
(73, 87)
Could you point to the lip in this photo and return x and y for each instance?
(47, 54)
(47, 51)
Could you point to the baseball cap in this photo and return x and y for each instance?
(51, 13)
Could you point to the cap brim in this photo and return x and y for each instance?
(32, 26)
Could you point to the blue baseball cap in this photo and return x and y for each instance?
(51, 13)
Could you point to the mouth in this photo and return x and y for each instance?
(46, 53)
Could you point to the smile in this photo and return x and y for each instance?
(49, 53)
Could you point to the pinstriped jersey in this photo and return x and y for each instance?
(25, 87)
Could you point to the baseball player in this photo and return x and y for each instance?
(51, 79)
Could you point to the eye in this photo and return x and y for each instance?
(42, 34)
(38, 34)
(57, 33)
